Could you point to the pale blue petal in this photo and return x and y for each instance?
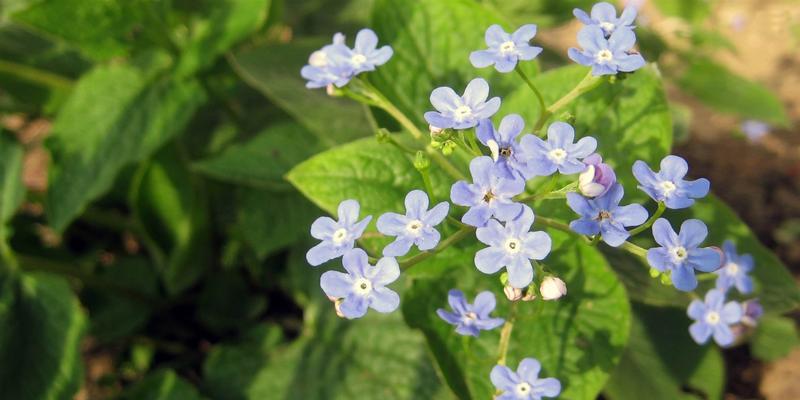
(438, 120)
(323, 252)
(659, 258)
(392, 224)
(482, 58)
(696, 310)
(492, 234)
(445, 99)
(385, 272)
(323, 228)
(336, 284)
(547, 387)
(585, 226)
(437, 214)
(354, 306)
(520, 272)
(622, 39)
(416, 203)
(683, 278)
(428, 239)
(450, 318)
(705, 259)
(399, 247)
(700, 332)
(477, 92)
(580, 205)
(489, 260)
(504, 65)
(723, 335)
(583, 148)
(384, 300)
(696, 189)
(560, 134)
(504, 378)
(510, 126)
(579, 57)
(477, 216)
(673, 168)
(629, 62)
(356, 262)
(529, 53)
(457, 301)
(604, 12)
(582, 16)
(613, 235)
(366, 41)
(524, 34)
(663, 233)
(630, 215)
(692, 234)
(495, 35)
(485, 302)
(463, 194)
(537, 245)
(528, 370)
(731, 313)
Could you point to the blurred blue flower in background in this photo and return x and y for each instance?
(734, 272)
(470, 319)
(335, 64)
(754, 130)
(505, 50)
(714, 318)
(604, 16)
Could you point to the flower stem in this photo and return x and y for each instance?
(453, 239)
(588, 83)
(639, 229)
(542, 107)
(634, 249)
(505, 334)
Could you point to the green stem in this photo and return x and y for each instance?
(651, 220)
(35, 75)
(505, 334)
(453, 239)
(542, 107)
(588, 83)
(8, 257)
(426, 180)
(634, 249)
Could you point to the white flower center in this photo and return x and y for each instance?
(712, 318)
(507, 47)
(362, 287)
(678, 253)
(557, 155)
(462, 113)
(358, 59)
(607, 26)
(732, 269)
(318, 59)
(414, 227)
(513, 246)
(523, 389)
(667, 187)
(339, 236)
(604, 56)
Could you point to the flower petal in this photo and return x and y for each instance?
(696, 310)
(489, 260)
(700, 332)
(683, 278)
(416, 203)
(384, 272)
(495, 35)
(482, 58)
(520, 272)
(485, 303)
(445, 99)
(692, 233)
(547, 387)
(659, 258)
(561, 134)
(392, 224)
(663, 233)
(524, 34)
(399, 247)
(354, 306)
(528, 370)
(384, 300)
(504, 378)
(336, 284)
(437, 214)
(536, 245)
(323, 228)
(323, 252)
(457, 301)
(510, 126)
(704, 259)
(673, 168)
(477, 92)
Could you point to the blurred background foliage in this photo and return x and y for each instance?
(152, 246)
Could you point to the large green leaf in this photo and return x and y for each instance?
(263, 160)
(275, 71)
(228, 22)
(661, 359)
(40, 340)
(721, 89)
(113, 118)
(162, 385)
(775, 337)
(578, 339)
(432, 40)
(543, 13)
(172, 207)
(12, 191)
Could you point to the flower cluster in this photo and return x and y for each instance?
(493, 201)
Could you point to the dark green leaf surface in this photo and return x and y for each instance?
(111, 119)
(39, 343)
(12, 191)
(163, 384)
(578, 339)
(275, 71)
(775, 337)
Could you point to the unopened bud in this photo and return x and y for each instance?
(504, 278)
(435, 130)
(337, 305)
(552, 288)
(530, 294)
(512, 293)
(421, 161)
(666, 279)
(448, 147)
(598, 177)
(382, 135)
(654, 273)
(333, 91)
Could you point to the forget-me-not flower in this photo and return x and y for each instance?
(524, 384)
(734, 272)
(668, 184)
(754, 130)
(328, 66)
(505, 49)
(337, 236)
(598, 177)
(680, 252)
(365, 55)
(462, 112)
(603, 215)
(470, 319)
(714, 318)
(558, 153)
(512, 246)
(416, 227)
(604, 16)
(363, 286)
(607, 56)
(751, 312)
(506, 152)
(489, 195)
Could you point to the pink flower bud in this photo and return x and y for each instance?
(552, 288)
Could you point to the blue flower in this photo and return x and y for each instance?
(489, 195)
(734, 272)
(668, 184)
(558, 153)
(337, 236)
(679, 253)
(327, 66)
(505, 50)
(366, 55)
(755, 130)
(524, 384)
(470, 319)
(714, 317)
(512, 246)
(462, 112)
(751, 312)
(607, 56)
(363, 285)
(506, 152)
(605, 216)
(598, 178)
(604, 16)
(414, 228)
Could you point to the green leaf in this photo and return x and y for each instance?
(690, 10)
(721, 89)
(431, 50)
(275, 71)
(775, 338)
(101, 29)
(219, 311)
(163, 384)
(172, 207)
(263, 160)
(377, 175)
(578, 339)
(661, 359)
(112, 119)
(40, 341)
(545, 13)
(12, 191)
(269, 221)
(227, 23)
(376, 357)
